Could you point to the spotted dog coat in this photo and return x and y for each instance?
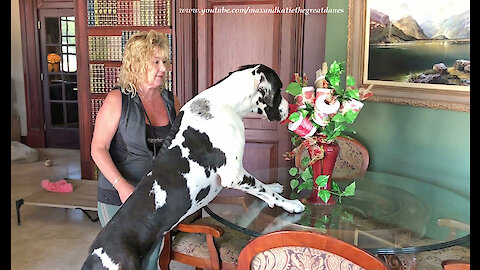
(202, 154)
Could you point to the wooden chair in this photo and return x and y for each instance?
(204, 243)
(455, 265)
(304, 250)
(435, 258)
(454, 226)
(352, 160)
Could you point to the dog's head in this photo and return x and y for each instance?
(267, 99)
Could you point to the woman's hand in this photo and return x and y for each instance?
(124, 189)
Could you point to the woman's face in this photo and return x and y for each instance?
(156, 70)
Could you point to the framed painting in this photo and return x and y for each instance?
(414, 52)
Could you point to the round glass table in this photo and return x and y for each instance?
(388, 214)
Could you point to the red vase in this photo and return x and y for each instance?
(324, 167)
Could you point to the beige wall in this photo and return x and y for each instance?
(17, 87)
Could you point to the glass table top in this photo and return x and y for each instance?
(388, 214)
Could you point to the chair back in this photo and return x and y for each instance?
(304, 250)
(352, 160)
(455, 265)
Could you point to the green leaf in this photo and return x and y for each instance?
(293, 171)
(308, 107)
(338, 118)
(339, 127)
(339, 90)
(334, 80)
(294, 117)
(336, 132)
(350, 116)
(304, 113)
(329, 127)
(305, 185)
(350, 130)
(293, 140)
(305, 161)
(334, 68)
(353, 93)
(322, 180)
(335, 187)
(345, 216)
(294, 89)
(342, 66)
(294, 183)
(321, 226)
(350, 81)
(349, 190)
(306, 175)
(325, 219)
(324, 194)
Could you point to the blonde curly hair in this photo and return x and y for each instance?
(138, 52)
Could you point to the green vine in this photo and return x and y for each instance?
(304, 180)
(348, 100)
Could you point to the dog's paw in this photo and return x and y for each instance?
(294, 206)
(276, 187)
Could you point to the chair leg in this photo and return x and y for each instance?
(165, 255)
(18, 204)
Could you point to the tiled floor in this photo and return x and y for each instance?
(54, 238)
(50, 238)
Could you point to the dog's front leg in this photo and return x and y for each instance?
(267, 192)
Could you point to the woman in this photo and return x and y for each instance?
(132, 122)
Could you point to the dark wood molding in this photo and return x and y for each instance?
(31, 74)
(184, 67)
(184, 51)
(84, 110)
(31, 66)
(55, 4)
(314, 32)
(298, 33)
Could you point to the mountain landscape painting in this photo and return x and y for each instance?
(419, 41)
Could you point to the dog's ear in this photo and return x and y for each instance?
(264, 87)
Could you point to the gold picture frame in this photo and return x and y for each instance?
(449, 97)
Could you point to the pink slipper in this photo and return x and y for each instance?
(59, 186)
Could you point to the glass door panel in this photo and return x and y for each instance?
(72, 115)
(71, 87)
(59, 67)
(55, 86)
(57, 114)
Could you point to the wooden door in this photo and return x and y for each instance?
(227, 41)
(59, 80)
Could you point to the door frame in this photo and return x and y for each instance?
(31, 66)
(31, 73)
(63, 132)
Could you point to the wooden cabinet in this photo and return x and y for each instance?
(104, 27)
(205, 47)
(228, 40)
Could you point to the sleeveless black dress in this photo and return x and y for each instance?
(132, 155)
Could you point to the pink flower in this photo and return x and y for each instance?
(291, 109)
(365, 92)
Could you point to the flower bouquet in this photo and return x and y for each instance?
(321, 113)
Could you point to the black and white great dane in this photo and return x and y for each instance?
(206, 140)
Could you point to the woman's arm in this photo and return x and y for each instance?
(106, 125)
